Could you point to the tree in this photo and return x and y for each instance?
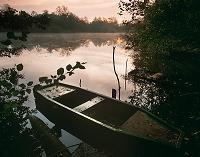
(168, 34)
(136, 8)
(165, 35)
(13, 21)
(85, 19)
(105, 25)
(170, 26)
(62, 10)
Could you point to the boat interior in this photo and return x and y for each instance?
(107, 111)
(112, 113)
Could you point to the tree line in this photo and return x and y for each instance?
(72, 23)
(64, 21)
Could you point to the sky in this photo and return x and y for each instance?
(82, 8)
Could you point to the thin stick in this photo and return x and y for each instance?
(80, 83)
(115, 70)
(126, 73)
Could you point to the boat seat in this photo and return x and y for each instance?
(75, 98)
(88, 104)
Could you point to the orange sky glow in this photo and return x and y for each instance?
(82, 8)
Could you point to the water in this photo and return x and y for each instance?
(46, 53)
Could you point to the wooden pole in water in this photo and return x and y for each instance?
(80, 83)
(115, 70)
(114, 93)
(126, 73)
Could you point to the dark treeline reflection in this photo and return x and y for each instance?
(65, 43)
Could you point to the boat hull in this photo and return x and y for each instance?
(100, 134)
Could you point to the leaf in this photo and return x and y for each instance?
(20, 67)
(11, 105)
(10, 35)
(70, 73)
(6, 42)
(23, 86)
(4, 83)
(48, 81)
(15, 93)
(13, 73)
(53, 76)
(8, 85)
(9, 95)
(81, 67)
(62, 77)
(30, 83)
(43, 79)
(22, 92)
(69, 67)
(28, 90)
(78, 65)
(60, 71)
(37, 87)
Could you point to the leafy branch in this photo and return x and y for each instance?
(61, 74)
(13, 94)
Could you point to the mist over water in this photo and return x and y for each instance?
(46, 53)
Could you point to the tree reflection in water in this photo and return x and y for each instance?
(65, 43)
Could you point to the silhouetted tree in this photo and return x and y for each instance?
(13, 21)
(165, 35)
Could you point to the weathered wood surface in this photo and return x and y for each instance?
(85, 150)
(52, 145)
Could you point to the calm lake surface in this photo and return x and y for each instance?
(46, 53)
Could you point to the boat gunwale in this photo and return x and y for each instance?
(180, 132)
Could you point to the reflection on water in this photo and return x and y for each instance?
(46, 53)
(67, 43)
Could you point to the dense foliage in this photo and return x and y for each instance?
(17, 24)
(13, 92)
(14, 116)
(62, 20)
(165, 37)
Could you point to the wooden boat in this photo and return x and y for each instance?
(102, 121)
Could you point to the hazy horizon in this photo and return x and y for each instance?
(90, 8)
